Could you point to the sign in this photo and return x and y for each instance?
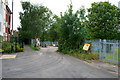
(86, 47)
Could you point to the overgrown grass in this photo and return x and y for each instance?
(109, 56)
(86, 56)
(82, 55)
(34, 48)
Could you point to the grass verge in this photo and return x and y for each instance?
(34, 48)
(85, 56)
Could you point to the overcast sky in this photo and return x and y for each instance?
(56, 6)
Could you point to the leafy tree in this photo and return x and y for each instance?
(72, 29)
(53, 32)
(34, 21)
(103, 21)
(53, 36)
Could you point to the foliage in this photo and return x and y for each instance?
(5, 44)
(103, 21)
(20, 49)
(52, 34)
(72, 30)
(82, 55)
(1, 38)
(6, 48)
(34, 21)
(34, 48)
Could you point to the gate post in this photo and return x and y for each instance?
(113, 51)
(104, 49)
(15, 44)
(100, 49)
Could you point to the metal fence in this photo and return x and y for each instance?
(51, 43)
(108, 50)
(6, 44)
(48, 43)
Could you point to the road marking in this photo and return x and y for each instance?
(8, 57)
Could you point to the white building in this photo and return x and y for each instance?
(3, 17)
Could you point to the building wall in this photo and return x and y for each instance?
(8, 21)
(3, 17)
(0, 17)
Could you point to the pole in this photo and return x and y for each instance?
(12, 28)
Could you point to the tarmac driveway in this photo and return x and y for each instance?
(47, 63)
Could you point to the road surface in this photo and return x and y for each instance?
(47, 63)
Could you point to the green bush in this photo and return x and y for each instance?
(34, 48)
(5, 44)
(20, 49)
(80, 54)
(1, 38)
(7, 49)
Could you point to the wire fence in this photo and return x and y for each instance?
(108, 50)
(48, 43)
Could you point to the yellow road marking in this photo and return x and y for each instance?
(7, 56)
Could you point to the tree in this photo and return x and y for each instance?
(53, 36)
(53, 32)
(72, 29)
(103, 21)
(34, 21)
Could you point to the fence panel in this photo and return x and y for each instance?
(108, 50)
(7, 44)
(48, 43)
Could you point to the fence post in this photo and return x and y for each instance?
(113, 51)
(100, 49)
(15, 44)
(117, 51)
(104, 49)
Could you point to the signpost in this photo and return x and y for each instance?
(86, 47)
(12, 28)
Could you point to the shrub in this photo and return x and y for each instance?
(34, 48)
(5, 44)
(7, 50)
(80, 54)
(6, 47)
(20, 49)
(1, 50)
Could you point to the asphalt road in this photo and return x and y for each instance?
(47, 63)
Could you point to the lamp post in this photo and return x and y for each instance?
(12, 28)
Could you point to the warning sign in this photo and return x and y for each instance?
(86, 47)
